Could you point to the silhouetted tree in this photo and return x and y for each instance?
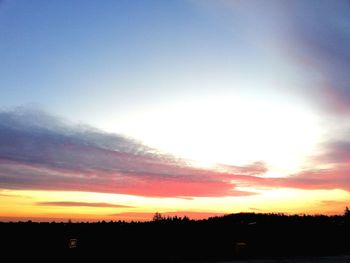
(347, 212)
(185, 218)
(157, 217)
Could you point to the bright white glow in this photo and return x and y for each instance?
(230, 130)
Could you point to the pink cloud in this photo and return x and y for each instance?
(336, 178)
(41, 152)
(187, 182)
(43, 158)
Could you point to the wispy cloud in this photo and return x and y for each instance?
(257, 168)
(311, 42)
(329, 170)
(322, 34)
(333, 203)
(309, 38)
(15, 195)
(38, 151)
(335, 155)
(6, 195)
(336, 178)
(88, 204)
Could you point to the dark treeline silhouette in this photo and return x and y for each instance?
(179, 239)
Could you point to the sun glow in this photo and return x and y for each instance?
(231, 130)
(22, 204)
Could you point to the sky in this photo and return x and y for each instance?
(115, 110)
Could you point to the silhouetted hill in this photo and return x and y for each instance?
(234, 236)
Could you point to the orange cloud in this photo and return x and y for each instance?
(88, 204)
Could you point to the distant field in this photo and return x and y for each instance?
(337, 259)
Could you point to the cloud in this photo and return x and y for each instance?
(335, 157)
(322, 36)
(42, 152)
(335, 152)
(88, 204)
(319, 41)
(256, 168)
(195, 183)
(333, 203)
(14, 195)
(6, 195)
(307, 39)
(336, 178)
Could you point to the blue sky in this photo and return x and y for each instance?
(118, 66)
(87, 58)
(82, 59)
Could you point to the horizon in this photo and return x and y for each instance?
(115, 110)
(164, 217)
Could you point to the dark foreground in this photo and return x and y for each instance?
(332, 259)
(238, 237)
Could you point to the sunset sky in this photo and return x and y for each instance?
(113, 110)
